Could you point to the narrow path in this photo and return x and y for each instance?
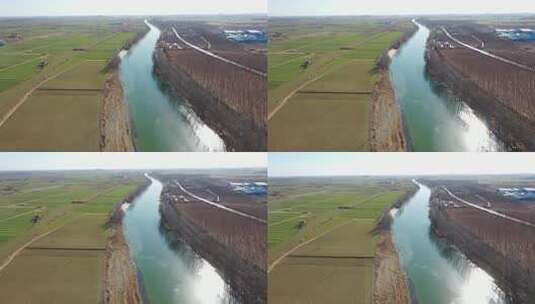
(287, 253)
(208, 44)
(291, 219)
(21, 214)
(292, 93)
(241, 66)
(490, 211)
(21, 63)
(488, 54)
(13, 109)
(219, 205)
(12, 256)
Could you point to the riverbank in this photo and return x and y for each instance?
(496, 245)
(121, 284)
(115, 122)
(247, 280)
(513, 129)
(391, 285)
(387, 129)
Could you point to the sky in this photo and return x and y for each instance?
(388, 7)
(340, 164)
(137, 160)
(129, 7)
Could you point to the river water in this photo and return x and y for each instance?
(440, 274)
(160, 122)
(435, 120)
(170, 273)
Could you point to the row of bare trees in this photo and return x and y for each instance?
(242, 91)
(512, 86)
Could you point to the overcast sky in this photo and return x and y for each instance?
(129, 7)
(337, 164)
(66, 161)
(387, 7)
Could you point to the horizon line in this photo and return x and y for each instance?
(406, 175)
(403, 14)
(138, 15)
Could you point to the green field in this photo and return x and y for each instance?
(64, 262)
(323, 229)
(326, 104)
(75, 50)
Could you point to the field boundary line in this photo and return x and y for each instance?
(298, 89)
(21, 63)
(20, 214)
(13, 109)
(292, 93)
(19, 250)
(290, 219)
(289, 252)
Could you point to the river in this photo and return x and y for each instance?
(435, 120)
(160, 122)
(170, 273)
(440, 274)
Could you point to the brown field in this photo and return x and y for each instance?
(60, 258)
(58, 117)
(338, 265)
(321, 280)
(59, 276)
(65, 266)
(321, 122)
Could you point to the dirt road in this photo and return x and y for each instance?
(219, 205)
(241, 66)
(12, 111)
(490, 211)
(488, 54)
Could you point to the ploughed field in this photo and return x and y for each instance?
(321, 240)
(53, 234)
(321, 77)
(241, 89)
(52, 74)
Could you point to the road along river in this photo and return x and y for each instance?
(169, 273)
(438, 273)
(435, 120)
(160, 122)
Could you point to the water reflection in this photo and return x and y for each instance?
(171, 271)
(160, 122)
(435, 119)
(439, 273)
